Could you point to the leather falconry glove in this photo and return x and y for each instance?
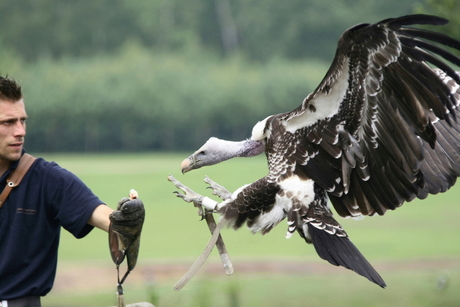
(125, 231)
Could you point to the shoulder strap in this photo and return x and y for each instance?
(16, 176)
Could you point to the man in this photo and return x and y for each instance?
(30, 219)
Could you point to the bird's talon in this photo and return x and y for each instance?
(217, 189)
(188, 194)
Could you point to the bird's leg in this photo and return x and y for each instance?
(197, 199)
(189, 195)
(217, 189)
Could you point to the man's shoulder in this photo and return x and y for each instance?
(42, 167)
(42, 164)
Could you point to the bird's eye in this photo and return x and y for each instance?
(202, 153)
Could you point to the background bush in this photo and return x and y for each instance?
(119, 75)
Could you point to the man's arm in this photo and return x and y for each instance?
(100, 217)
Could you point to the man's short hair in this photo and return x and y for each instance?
(9, 89)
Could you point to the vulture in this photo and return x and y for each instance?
(380, 129)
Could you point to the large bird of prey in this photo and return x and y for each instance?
(380, 129)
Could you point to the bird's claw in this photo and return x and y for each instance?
(188, 195)
(217, 189)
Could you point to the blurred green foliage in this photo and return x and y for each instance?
(137, 101)
(119, 75)
(260, 29)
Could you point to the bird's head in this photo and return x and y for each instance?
(216, 150)
(209, 154)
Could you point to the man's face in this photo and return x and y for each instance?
(12, 130)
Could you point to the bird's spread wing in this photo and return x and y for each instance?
(382, 126)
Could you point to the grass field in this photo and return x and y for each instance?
(411, 247)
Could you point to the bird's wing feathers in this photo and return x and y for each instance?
(340, 251)
(250, 203)
(381, 127)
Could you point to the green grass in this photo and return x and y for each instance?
(412, 290)
(172, 232)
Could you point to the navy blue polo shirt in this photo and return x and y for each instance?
(30, 222)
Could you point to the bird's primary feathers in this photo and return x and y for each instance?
(380, 129)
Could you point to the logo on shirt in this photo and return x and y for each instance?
(26, 211)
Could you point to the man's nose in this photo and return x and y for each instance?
(20, 129)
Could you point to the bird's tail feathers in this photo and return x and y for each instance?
(340, 251)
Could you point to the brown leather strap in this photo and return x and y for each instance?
(14, 179)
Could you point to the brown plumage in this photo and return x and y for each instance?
(380, 129)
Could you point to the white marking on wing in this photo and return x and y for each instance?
(326, 105)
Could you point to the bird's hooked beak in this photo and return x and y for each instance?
(188, 164)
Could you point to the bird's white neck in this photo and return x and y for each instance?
(247, 148)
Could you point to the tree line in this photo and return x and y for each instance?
(165, 75)
(259, 29)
